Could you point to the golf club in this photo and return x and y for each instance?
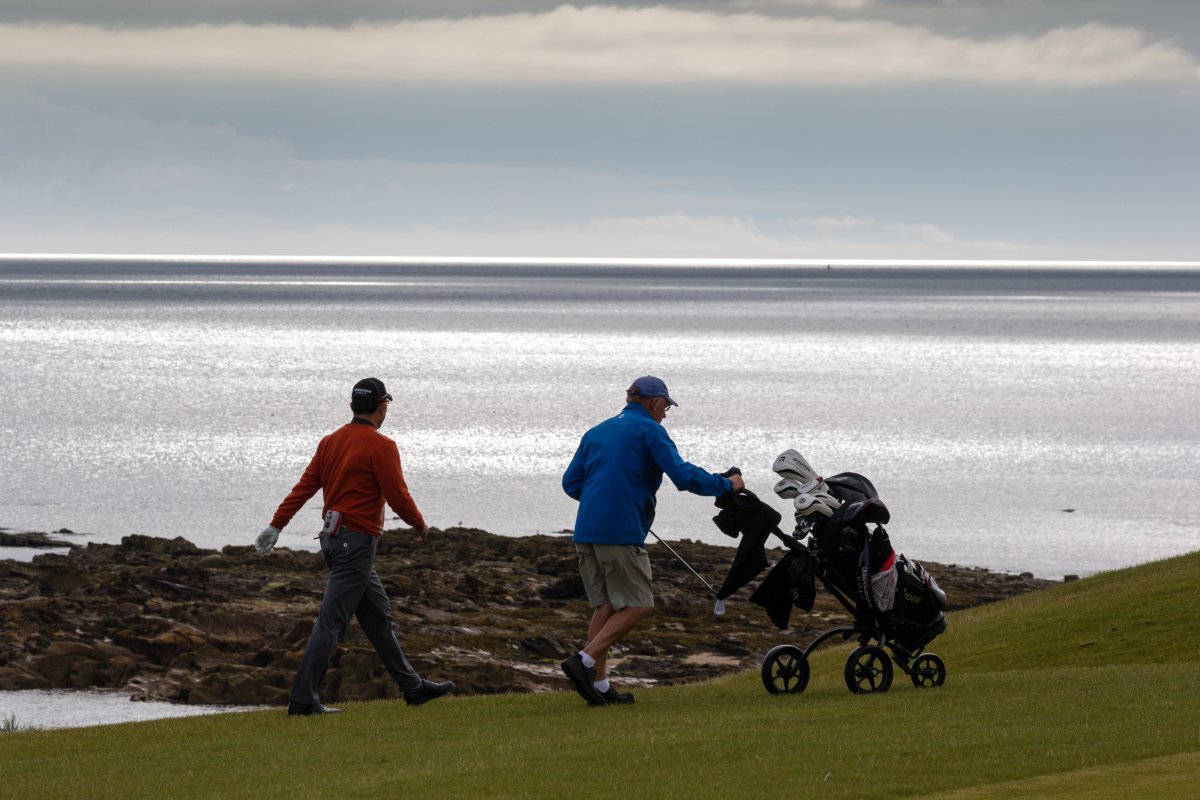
(719, 608)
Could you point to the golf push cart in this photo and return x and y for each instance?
(897, 607)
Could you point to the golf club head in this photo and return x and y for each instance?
(719, 608)
(790, 464)
(804, 526)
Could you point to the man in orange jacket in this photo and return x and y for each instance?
(359, 470)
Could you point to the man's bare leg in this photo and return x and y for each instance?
(607, 628)
(600, 616)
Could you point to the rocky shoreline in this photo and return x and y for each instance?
(165, 620)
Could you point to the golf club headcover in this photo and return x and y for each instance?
(789, 488)
(790, 464)
(819, 503)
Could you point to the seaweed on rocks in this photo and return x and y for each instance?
(166, 620)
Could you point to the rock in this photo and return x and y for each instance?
(300, 630)
(732, 645)
(30, 540)
(14, 677)
(152, 544)
(237, 685)
(562, 566)
(56, 576)
(547, 647)
(58, 661)
(165, 620)
(569, 588)
(76, 665)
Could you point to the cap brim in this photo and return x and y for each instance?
(672, 402)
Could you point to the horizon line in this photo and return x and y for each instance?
(606, 261)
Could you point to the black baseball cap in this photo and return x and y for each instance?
(370, 389)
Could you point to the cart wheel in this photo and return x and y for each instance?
(868, 670)
(785, 670)
(928, 670)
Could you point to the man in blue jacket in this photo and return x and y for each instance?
(615, 476)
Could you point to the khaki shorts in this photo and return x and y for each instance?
(615, 573)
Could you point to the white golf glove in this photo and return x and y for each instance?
(266, 540)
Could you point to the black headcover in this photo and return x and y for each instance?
(860, 501)
(743, 514)
(850, 487)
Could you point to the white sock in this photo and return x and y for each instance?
(588, 661)
(603, 686)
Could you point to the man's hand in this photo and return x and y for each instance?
(266, 540)
(738, 483)
(422, 534)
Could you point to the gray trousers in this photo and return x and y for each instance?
(353, 588)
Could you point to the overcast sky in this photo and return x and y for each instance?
(1011, 129)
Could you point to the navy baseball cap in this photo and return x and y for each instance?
(370, 389)
(649, 386)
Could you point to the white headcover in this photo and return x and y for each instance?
(816, 503)
(788, 488)
(790, 464)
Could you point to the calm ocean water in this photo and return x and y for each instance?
(36, 708)
(1042, 420)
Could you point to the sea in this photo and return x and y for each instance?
(40, 709)
(1020, 418)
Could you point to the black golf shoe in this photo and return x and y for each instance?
(297, 710)
(583, 679)
(614, 698)
(428, 690)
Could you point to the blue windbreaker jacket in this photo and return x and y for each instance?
(616, 473)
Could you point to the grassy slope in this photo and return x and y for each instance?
(1086, 690)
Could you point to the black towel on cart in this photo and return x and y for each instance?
(743, 514)
(791, 582)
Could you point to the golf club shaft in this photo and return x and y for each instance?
(686, 564)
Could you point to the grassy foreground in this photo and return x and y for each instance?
(1087, 690)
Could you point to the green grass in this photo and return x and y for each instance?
(9, 724)
(1085, 691)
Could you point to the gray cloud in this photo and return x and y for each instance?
(1176, 19)
(139, 13)
(76, 179)
(598, 45)
(460, 171)
(1005, 130)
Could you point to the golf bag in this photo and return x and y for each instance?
(840, 541)
(855, 555)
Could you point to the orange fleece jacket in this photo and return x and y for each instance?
(359, 469)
